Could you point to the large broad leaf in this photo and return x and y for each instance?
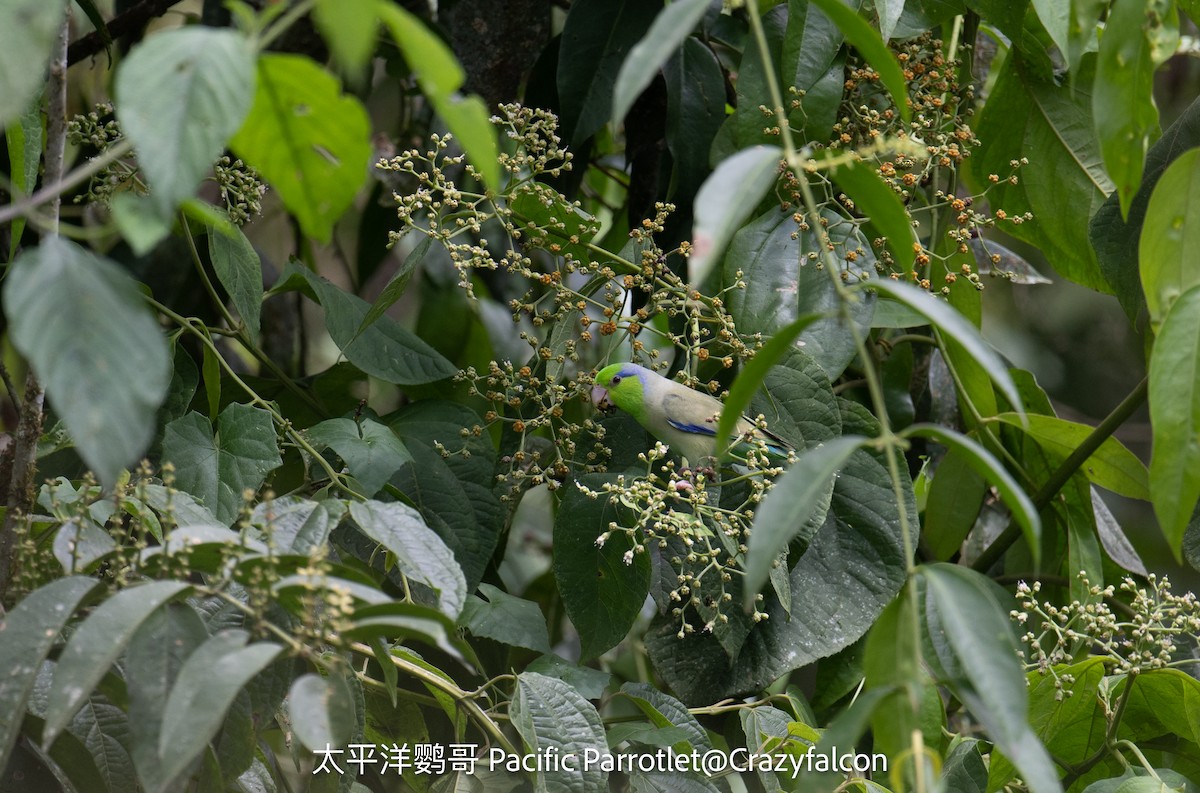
(1116, 239)
(596, 37)
(101, 356)
(976, 648)
(420, 553)
(349, 26)
(296, 525)
(321, 710)
(96, 644)
(782, 283)
(440, 78)
(220, 469)
(206, 687)
(602, 592)
(1133, 44)
(552, 717)
(307, 139)
(26, 43)
(27, 633)
(506, 619)
(371, 451)
(1071, 723)
(383, 349)
(1171, 236)
(1064, 183)
(851, 570)
(240, 271)
(180, 96)
(672, 25)
(813, 60)
(1175, 417)
(871, 47)
(153, 659)
(695, 111)
(956, 328)
(799, 499)
(725, 200)
(454, 494)
(1112, 466)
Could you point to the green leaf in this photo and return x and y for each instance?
(781, 283)
(420, 553)
(96, 644)
(454, 494)
(551, 716)
(664, 710)
(1170, 236)
(506, 619)
(851, 570)
(180, 96)
(589, 682)
(671, 27)
(798, 500)
(726, 199)
(989, 468)
(81, 323)
(952, 506)
(383, 349)
(1116, 238)
(79, 543)
(350, 27)
(871, 47)
(440, 76)
(321, 711)
(1175, 418)
(24, 141)
(813, 60)
(596, 37)
(206, 687)
(1125, 116)
(550, 222)
(371, 451)
(1068, 716)
(1162, 702)
(153, 659)
(1054, 16)
(396, 285)
(695, 111)
(1112, 466)
(752, 376)
(218, 470)
(878, 202)
(307, 139)
(954, 326)
(26, 44)
(143, 223)
(1064, 183)
(240, 271)
(27, 633)
(890, 12)
(601, 592)
(978, 640)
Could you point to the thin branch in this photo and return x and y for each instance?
(132, 20)
(23, 461)
(1064, 472)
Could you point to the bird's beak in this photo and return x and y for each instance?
(600, 398)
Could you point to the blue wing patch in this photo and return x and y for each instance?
(699, 429)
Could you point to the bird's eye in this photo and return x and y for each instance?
(616, 379)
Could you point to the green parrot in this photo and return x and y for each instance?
(682, 418)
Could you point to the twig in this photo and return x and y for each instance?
(29, 428)
(133, 19)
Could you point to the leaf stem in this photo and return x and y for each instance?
(1064, 472)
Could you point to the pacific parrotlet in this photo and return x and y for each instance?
(682, 418)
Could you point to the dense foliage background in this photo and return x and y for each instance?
(302, 304)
